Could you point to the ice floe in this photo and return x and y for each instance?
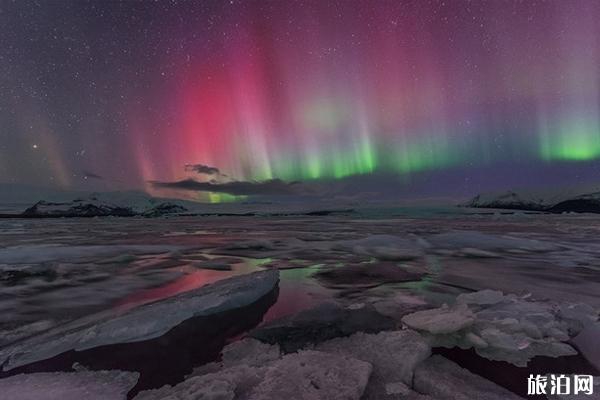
(308, 375)
(144, 322)
(393, 355)
(313, 375)
(80, 385)
(441, 321)
(503, 327)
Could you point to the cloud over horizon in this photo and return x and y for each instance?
(236, 188)
(202, 169)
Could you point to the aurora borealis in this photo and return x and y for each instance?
(294, 90)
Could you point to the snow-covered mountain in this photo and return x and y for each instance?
(45, 204)
(508, 200)
(102, 205)
(36, 202)
(547, 202)
(77, 208)
(589, 202)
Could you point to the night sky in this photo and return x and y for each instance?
(121, 94)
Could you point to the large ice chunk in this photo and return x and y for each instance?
(314, 375)
(393, 355)
(440, 320)
(144, 322)
(503, 328)
(88, 385)
(250, 352)
(308, 375)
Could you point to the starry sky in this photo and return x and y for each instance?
(126, 94)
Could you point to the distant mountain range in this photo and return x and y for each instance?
(92, 207)
(558, 203)
(20, 201)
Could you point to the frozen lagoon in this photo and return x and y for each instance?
(56, 272)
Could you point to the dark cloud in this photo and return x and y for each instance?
(88, 174)
(238, 188)
(202, 169)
